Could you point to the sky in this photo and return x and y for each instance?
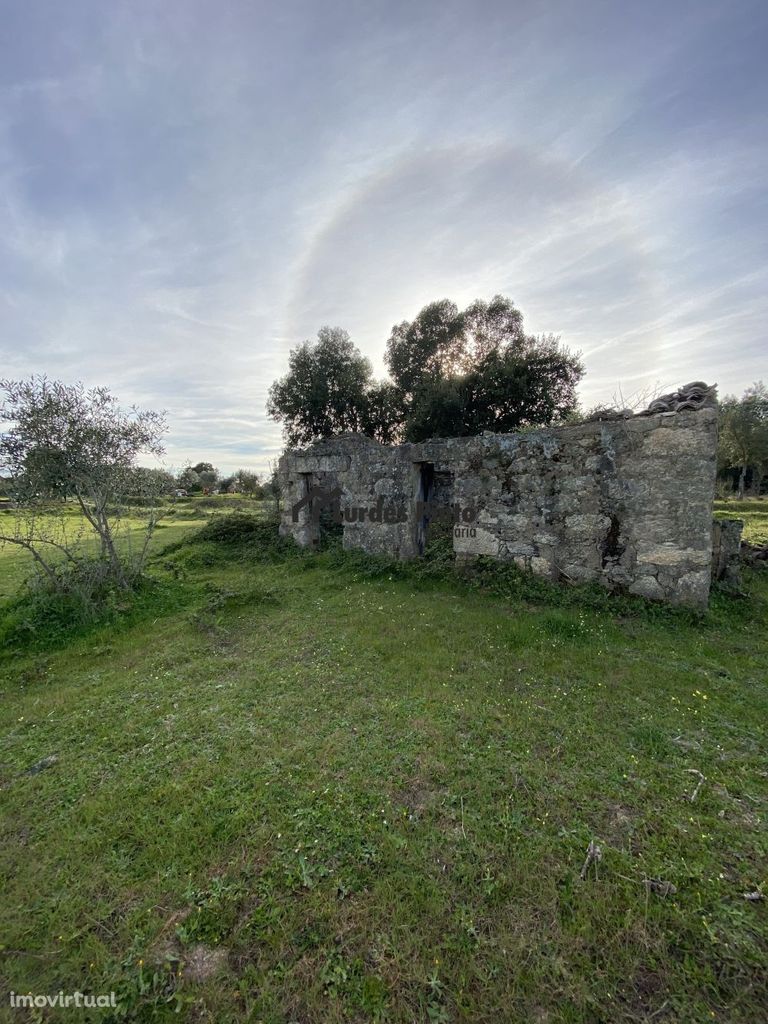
(189, 189)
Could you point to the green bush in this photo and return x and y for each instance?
(42, 616)
(236, 528)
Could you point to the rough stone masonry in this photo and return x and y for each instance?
(624, 500)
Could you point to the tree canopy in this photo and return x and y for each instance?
(324, 391)
(465, 372)
(743, 443)
(453, 373)
(66, 441)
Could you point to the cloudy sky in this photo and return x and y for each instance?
(188, 188)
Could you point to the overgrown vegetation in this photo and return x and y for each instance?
(42, 618)
(754, 514)
(257, 539)
(328, 788)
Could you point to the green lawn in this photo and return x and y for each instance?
(754, 512)
(311, 792)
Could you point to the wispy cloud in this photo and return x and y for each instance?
(187, 190)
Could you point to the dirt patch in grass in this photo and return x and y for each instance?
(202, 962)
(645, 998)
(415, 797)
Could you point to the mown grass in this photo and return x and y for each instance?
(754, 512)
(326, 788)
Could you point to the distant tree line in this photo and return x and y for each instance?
(743, 441)
(145, 484)
(453, 373)
(204, 478)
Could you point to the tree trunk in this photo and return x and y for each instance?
(742, 482)
(118, 573)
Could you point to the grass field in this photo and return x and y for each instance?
(754, 512)
(15, 562)
(315, 788)
(181, 516)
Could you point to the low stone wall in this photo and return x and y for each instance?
(626, 502)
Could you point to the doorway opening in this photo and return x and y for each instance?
(320, 509)
(434, 506)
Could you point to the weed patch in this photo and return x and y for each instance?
(40, 620)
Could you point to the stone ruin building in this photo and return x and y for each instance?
(624, 500)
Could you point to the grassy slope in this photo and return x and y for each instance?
(376, 795)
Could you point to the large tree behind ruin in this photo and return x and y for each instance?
(453, 373)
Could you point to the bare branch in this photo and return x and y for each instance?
(699, 784)
(594, 856)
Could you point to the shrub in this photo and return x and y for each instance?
(234, 528)
(230, 535)
(85, 596)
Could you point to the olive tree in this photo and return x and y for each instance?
(248, 482)
(324, 391)
(454, 373)
(64, 443)
(743, 442)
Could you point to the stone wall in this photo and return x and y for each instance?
(726, 552)
(625, 502)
